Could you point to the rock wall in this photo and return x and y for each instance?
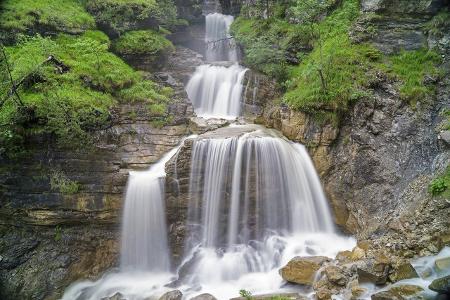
(377, 163)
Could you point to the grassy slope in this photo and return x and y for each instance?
(347, 68)
(71, 102)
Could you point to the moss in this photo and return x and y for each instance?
(143, 42)
(57, 15)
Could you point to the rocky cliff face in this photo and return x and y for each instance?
(377, 163)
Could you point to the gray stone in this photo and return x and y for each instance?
(172, 295)
(205, 296)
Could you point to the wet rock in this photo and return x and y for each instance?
(302, 270)
(172, 295)
(205, 296)
(400, 292)
(442, 264)
(373, 272)
(116, 296)
(287, 296)
(336, 275)
(403, 271)
(441, 285)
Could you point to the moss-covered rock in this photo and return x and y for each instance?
(146, 49)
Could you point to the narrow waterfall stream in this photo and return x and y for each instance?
(255, 202)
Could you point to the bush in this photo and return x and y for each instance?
(141, 42)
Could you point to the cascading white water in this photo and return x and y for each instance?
(255, 202)
(144, 230)
(216, 91)
(220, 46)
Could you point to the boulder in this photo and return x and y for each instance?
(285, 296)
(373, 272)
(441, 285)
(116, 296)
(172, 295)
(302, 270)
(442, 264)
(205, 296)
(336, 275)
(403, 271)
(399, 292)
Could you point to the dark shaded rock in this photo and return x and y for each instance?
(373, 272)
(172, 295)
(441, 285)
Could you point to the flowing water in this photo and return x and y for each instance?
(216, 91)
(220, 46)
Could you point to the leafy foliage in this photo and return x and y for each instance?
(246, 294)
(143, 42)
(54, 15)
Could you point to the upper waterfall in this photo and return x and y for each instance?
(220, 46)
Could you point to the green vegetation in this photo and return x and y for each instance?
(441, 185)
(58, 234)
(146, 42)
(59, 182)
(49, 15)
(314, 60)
(70, 95)
(125, 15)
(411, 68)
(246, 294)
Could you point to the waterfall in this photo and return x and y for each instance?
(244, 188)
(255, 201)
(216, 91)
(144, 229)
(220, 46)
